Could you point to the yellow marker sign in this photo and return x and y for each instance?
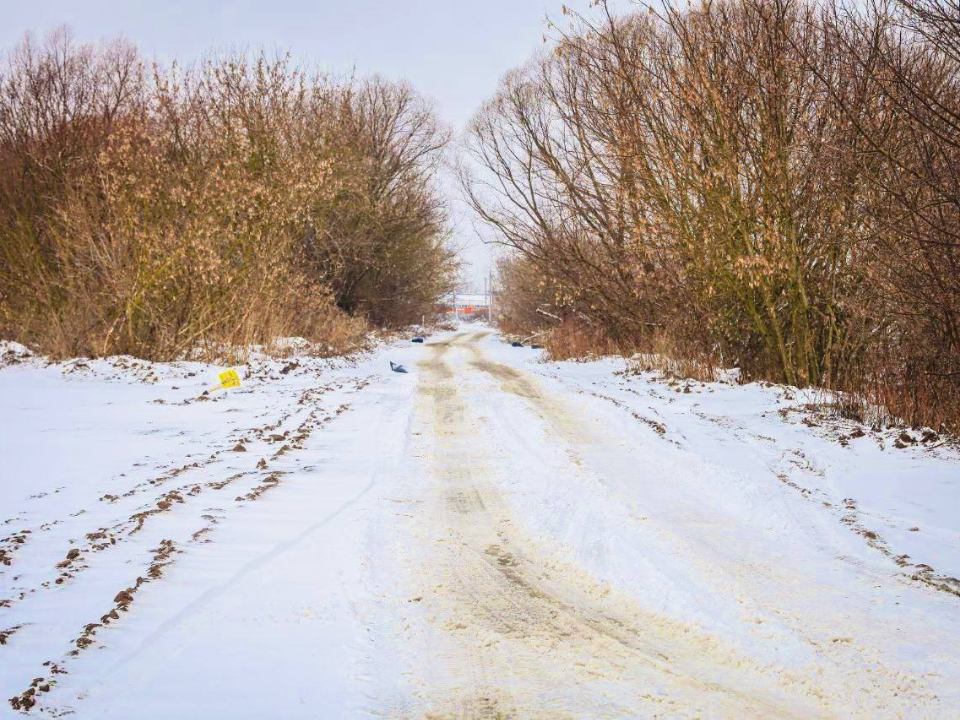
(229, 379)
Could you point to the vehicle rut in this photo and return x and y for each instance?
(525, 633)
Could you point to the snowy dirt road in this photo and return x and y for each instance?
(484, 536)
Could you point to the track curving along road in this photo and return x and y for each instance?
(485, 536)
(521, 628)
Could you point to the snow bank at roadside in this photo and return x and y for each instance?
(130, 485)
(63, 421)
(899, 490)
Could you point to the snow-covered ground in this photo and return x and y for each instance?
(484, 534)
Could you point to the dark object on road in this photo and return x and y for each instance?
(536, 347)
(397, 368)
(418, 339)
(516, 343)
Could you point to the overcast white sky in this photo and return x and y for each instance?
(452, 50)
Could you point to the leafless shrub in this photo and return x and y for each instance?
(157, 211)
(762, 183)
(382, 239)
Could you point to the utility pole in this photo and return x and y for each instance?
(486, 296)
(490, 296)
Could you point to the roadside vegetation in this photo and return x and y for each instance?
(768, 184)
(157, 211)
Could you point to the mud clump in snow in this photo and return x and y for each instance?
(28, 698)
(904, 440)
(163, 505)
(9, 545)
(220, 484)
(162, 557)
(928, 576)
(658, 427)
(13, 353)
(282, 451)
(8, 633)
(920, 572)
(200, 533)
(268, 483)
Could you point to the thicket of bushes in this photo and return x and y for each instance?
(763, 183)
(154, 211)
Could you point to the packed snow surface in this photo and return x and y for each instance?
(486, 534)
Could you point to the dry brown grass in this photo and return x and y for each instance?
(574, 340)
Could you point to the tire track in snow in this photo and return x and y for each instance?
(526, 633)
(81, 549)
(851, 649)
(310, 420)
